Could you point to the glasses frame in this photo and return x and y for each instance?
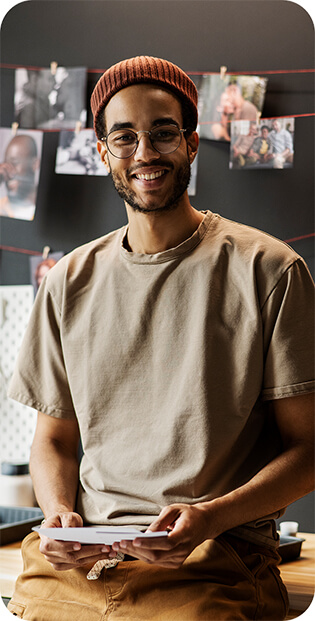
(143, 131)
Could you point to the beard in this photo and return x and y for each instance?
(181, 183)
(22, 190)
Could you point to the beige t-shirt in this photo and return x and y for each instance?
(168, 361)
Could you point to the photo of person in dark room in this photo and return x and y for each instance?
(20, 157)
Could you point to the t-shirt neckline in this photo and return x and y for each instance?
(172, 253)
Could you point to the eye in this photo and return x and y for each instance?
(165, 134)
(123, 138)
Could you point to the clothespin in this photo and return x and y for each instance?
(78, 126)
(14, 128)
(223, 71)
(53, 67)
(46, 251)
(258, 115)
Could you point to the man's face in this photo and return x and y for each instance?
(276, 126)
(148, 181)
(253, 130)
(264, 133)
(22, 184)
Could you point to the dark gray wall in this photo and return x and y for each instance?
(198, 35)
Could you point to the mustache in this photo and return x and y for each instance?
(160, 164)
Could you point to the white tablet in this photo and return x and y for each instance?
(106, 535)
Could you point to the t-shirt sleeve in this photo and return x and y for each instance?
(288, 319)
(40, 379)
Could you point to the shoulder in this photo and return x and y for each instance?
(76, 269)
(251, 241)
(252, 254)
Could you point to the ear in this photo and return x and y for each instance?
(192, 146)
(102, 149)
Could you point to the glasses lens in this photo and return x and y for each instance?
(166, 139)
(122, 143)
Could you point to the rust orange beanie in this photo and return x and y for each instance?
(144, 69)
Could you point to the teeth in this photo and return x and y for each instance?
(149, 177)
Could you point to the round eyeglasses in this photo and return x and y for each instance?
(123, 143)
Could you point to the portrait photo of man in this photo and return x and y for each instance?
(20, 157)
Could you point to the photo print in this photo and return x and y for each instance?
(77, 154)
(39, 266)
(222, 100)
(193, 177)
(47, 99)
(268, 144)
(20, 159)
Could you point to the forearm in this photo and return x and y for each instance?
(55, 476)
(285, 479)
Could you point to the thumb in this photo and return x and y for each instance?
(71, 520)
(166, 519)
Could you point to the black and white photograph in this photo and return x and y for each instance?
(77, 154)
(50, 99)
(40, 265)
(20, 160)
(222, 100)
(267, 144)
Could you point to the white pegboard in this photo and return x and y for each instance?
(17, 421)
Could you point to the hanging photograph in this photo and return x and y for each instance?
(222, 100)
(268, 144)
(50, 99)
(193, 177)
(39, 266)
(77, 154)
(20, 157)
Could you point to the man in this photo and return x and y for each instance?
(243, 109)
(261, 151)
(242, 147)
(282, 145)
(178, 349)
(17, 172)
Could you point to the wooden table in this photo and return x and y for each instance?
(298, 575)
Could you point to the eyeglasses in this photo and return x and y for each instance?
(123, 143)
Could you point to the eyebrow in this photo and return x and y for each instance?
(168, 120)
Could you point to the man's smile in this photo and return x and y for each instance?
(150, 176)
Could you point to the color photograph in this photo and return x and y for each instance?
(20, 157)
(222, 100)
(268, 144)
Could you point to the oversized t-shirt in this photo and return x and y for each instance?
(168, 361)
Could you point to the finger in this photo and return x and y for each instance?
(62, 550)
(71, 520)
(166, 519)
(70, 563)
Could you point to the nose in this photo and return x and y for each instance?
(145, 151)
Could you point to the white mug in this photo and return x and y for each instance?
(289, 528)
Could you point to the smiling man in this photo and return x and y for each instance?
(18, 172)
(179, 349)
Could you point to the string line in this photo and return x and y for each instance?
(36, 253)
(258, 72)
(266, 118)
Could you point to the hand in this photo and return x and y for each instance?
(7, 172)
(67, 554)
(189, 526)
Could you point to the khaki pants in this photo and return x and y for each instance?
(223, 579)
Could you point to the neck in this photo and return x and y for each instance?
(155, 232)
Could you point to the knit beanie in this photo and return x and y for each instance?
(144, 69)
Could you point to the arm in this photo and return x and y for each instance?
(285, 479)
(54, 464)
(55, 474)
